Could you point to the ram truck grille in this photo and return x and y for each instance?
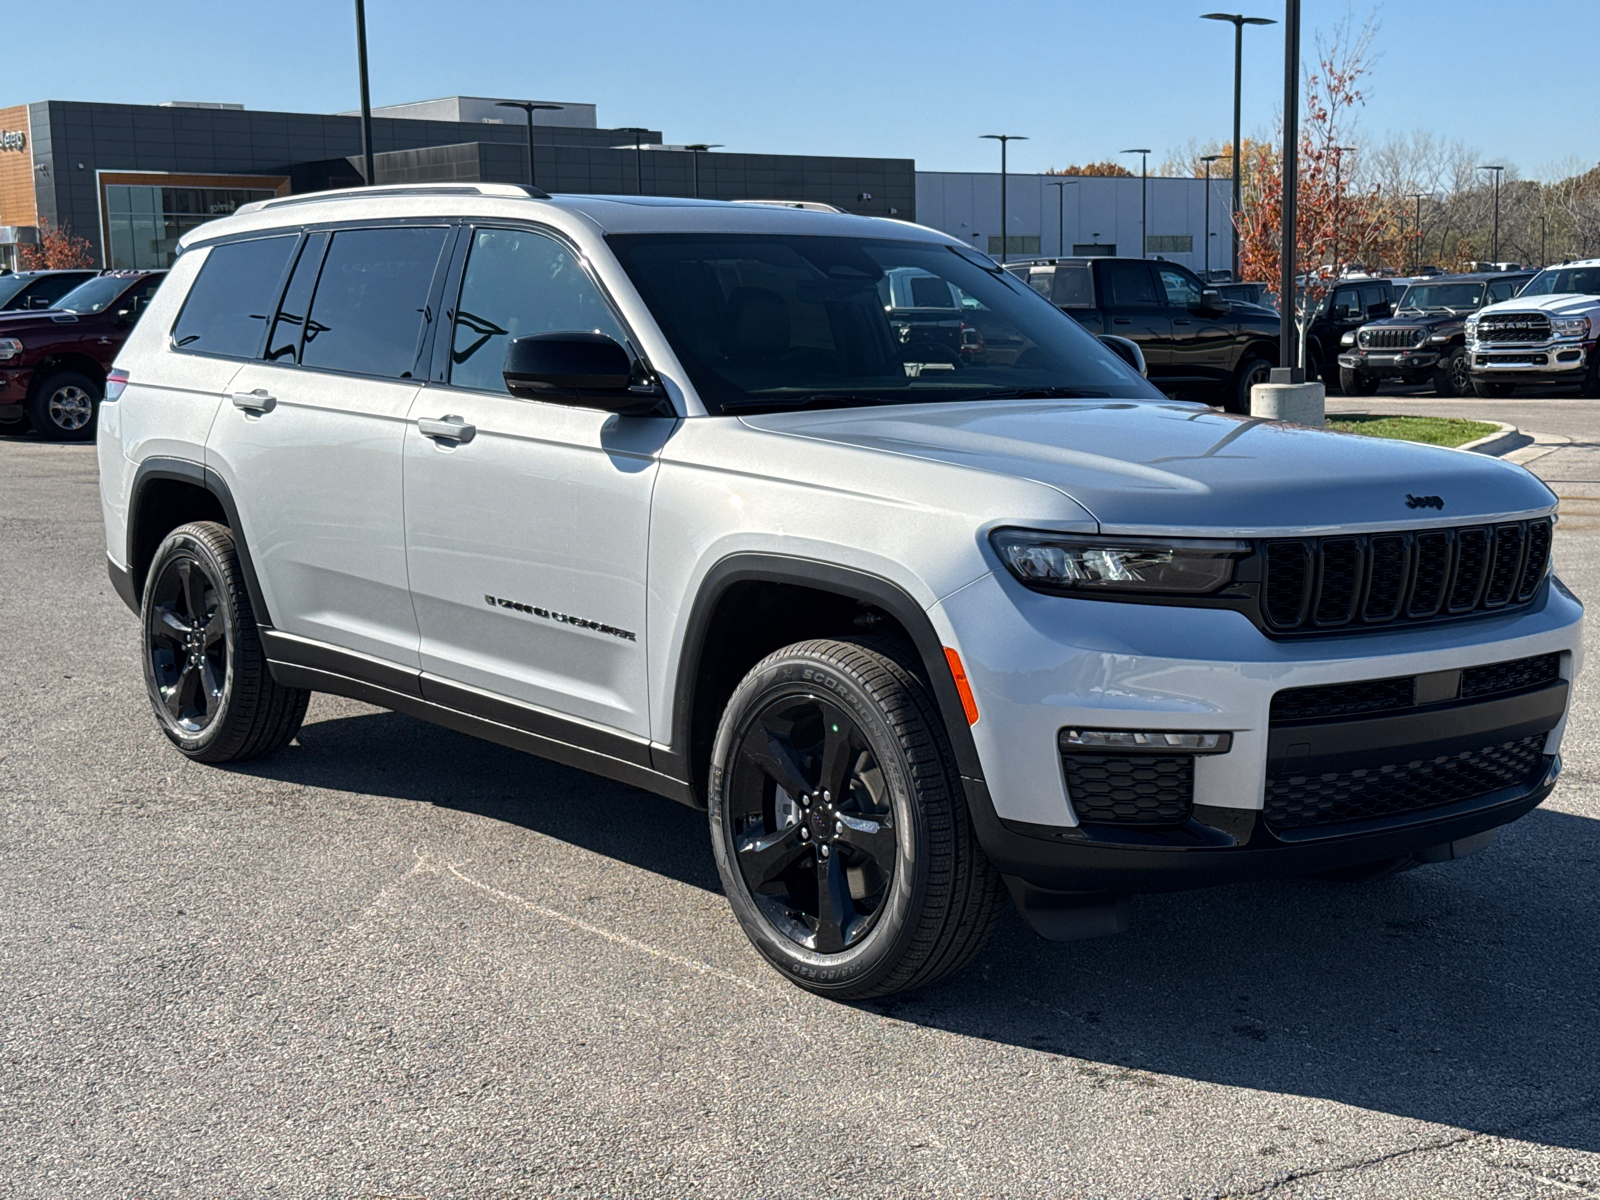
(1514, 327)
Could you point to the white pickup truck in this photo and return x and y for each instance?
(1546, 335)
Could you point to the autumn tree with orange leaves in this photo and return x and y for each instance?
(57, 249)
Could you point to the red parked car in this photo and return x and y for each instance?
(53, 362)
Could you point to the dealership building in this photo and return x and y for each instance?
(132, 179)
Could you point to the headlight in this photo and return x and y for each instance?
(9, 348)
(1471, 328)
(1349, 339)
(1577, 327)
(1441, 337)
(1063, 563)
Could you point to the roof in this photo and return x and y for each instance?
(606, 214)
(1469, 277)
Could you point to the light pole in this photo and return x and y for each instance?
(366, 96)
(1208, 159)
(529, 107)
(1239, 22)
(1497, 172)
(1144, 198)
(1061, 216)
(1289, 236)
(1003, 138)
(1338, 200)
(695, 150)
(638, 156)
(1416, 255)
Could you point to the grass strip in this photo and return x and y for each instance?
(1433, 431)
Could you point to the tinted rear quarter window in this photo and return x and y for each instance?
(371, 300)
(227, 309)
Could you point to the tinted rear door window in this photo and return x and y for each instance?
(372, 300)
(1128, 284)
(227, 309)
(1073, 288)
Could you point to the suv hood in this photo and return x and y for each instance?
(12, 322)
(1421, 320)
(1152, 467)
(1558, 304)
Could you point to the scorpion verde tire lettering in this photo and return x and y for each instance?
(204, 667)
(839, 824)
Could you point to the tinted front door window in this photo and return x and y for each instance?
(371, 302)
(1181, 288)
(516, 283)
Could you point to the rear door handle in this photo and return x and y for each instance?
(450, 428)
(1180, 322)
(1122, 320)
(257, 401)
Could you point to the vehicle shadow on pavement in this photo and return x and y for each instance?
(1463, 993)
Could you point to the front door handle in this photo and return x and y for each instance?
(1181, 321)
(450, 428)
(257, 401)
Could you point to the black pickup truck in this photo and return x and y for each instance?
(1195, 342)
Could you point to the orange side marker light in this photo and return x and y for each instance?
(963, 688)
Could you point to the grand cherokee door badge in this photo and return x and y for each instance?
(626, 635)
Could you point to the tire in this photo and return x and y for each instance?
(1450, 377)
(207, 679)
(1493, 389)
(1363, 872)
(1354, 383)
(1253, 370)
(63, 406)
(870, 886)
(1590, 388)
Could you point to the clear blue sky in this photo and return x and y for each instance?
(1518, 79)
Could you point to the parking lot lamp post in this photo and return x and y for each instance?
(1003, 138)
(638, 156)
(529, 107)
(1497, 172)
(1208, 159)
(366, 96)
(1239, 21)
(1061, 217)
(696, 150)
(1289, 235)
(1144, 199)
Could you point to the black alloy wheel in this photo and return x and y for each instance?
(204, 667)
(187, 643)
(1252, 371)
(1451, 378)
(812, 824)
(839, 822)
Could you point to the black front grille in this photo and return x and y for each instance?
(1514, 327)
(1522, 360)
(1514, 676)
(1299, 801)
(1364, 697)
(1324, 585)
(1130, 789)
(1387, 338)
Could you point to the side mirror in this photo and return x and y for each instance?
(1213, 301)
(588, 370)
(124, 316)
(1127, 350)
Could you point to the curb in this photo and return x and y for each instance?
(1503, 441)
(1543, 443)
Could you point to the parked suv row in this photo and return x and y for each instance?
(53, 361)
(677, 492)
(1549, 334)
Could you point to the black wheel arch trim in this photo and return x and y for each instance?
(816, 575)
(184, 470)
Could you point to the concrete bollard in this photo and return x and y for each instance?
(1301, 403)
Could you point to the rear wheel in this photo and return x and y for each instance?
(1450, 377)
(1252, 370)
(839, 823)
(1356, 383)
(204, 667)
(62, 406)
(1493, 389)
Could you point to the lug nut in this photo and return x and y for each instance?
(805, 800)
(805, 834)
(827, 795)
(823, 851)
(838, 826)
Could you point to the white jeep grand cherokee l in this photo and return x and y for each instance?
(920, 612)
(1548, 334)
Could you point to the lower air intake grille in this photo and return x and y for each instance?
(1130, 789)
(1331, 700)
(1511, 676)
(1299, 801)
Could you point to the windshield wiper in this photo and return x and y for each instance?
(810, 400)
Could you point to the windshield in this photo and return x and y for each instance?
(1585, 281)
(771, 322)
(95, 295)
(10, 285)
(1443, 295)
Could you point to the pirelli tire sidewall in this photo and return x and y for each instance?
(880, 951)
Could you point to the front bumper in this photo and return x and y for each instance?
(1556, 361)
(1040, 664)
(1386, 364)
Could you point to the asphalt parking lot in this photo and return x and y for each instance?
(397, 962)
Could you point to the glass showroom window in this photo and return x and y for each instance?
(146, 222)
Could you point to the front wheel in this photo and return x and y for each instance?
(839, 824)
(204, 666)
(1493, 389)
(62, 406)
(1252, 371)
(1450, 377)
(1355, 383)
